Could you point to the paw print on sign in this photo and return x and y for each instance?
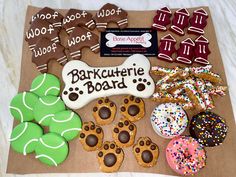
(110, 157)
(91, 136)
(73, 93)
(124, 133)
(141, 84)
(146, 152)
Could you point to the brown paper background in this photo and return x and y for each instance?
(221, 160)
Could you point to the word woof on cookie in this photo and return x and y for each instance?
(84, 83)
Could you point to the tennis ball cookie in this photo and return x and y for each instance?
(21, 106)
(46, 107)
(51, 149)
(24, 137)
(45, 84)
(66, 123)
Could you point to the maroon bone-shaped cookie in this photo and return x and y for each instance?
(201, 51)
(46, 50)
(50, 15)
(110, 13)
(186, 52)
(167, 48)
(75, 17)
(198, 22)
(162, 19)
(41, 29)
(180, 21)
(80, 38)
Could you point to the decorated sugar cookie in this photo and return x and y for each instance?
(22, 105)
(25, 136)
(66, 123)
(46, 107)
(84, 83)
(162, 19)
(45, 84)
(51, 149)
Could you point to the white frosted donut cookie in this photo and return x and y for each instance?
(169, 120)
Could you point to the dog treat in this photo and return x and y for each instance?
(76, 17)
(165, 97)
(111, 13)
(104, 111)
(180, 21)
(124, 133)
(133, 108)
(67, 124)
(185, 155)
(169, 120)
(52, 149)
(198, 22)
(84, 83)
(110, 157)
(46, 107)
(22, 105)
(80, 38)
(208, 128)
(51, 16)
(45, 84)
(162, 19)
(46, 50)
(24, 137)
(91, 136)
(41, 29)
(146, 152)
(201, 50)
(186, 52)
(167, 48)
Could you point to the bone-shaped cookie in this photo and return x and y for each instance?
(84, 83)
(114, 40)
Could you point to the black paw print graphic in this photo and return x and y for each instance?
(73, 93)
(141, 84)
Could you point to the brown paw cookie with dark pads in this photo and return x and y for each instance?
(146, 152)
(91, 136)
(124, 133)
(133, 108)
(110, 157)
(104, 111)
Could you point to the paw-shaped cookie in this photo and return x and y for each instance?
(110, 157)
(146, 152)
(133, 108)
(91, 136)
(124, 133)
(104, 111)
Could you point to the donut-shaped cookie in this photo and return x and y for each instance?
(169, 120)
(208, 128)
(185, 155)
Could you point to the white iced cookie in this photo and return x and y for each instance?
(84, 83)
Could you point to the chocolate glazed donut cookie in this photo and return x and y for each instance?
(208, 128)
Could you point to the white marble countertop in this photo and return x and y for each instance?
(12, 16)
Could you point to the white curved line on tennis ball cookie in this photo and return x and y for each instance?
(52, 147)
(19, 111)
(46, 156)
(21, 133)
(26, 145)
(46, 92)
(49, 104)
(24, 93)
(71, 129)
(44, 77)
(59, 121)
(45, 117)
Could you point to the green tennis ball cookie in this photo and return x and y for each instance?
(21, 106)
(46, 107)
(52, 149)
(25, 136)
(66, 123)
(46, 84)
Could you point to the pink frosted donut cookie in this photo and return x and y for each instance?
(169, 120)
(185, 155)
